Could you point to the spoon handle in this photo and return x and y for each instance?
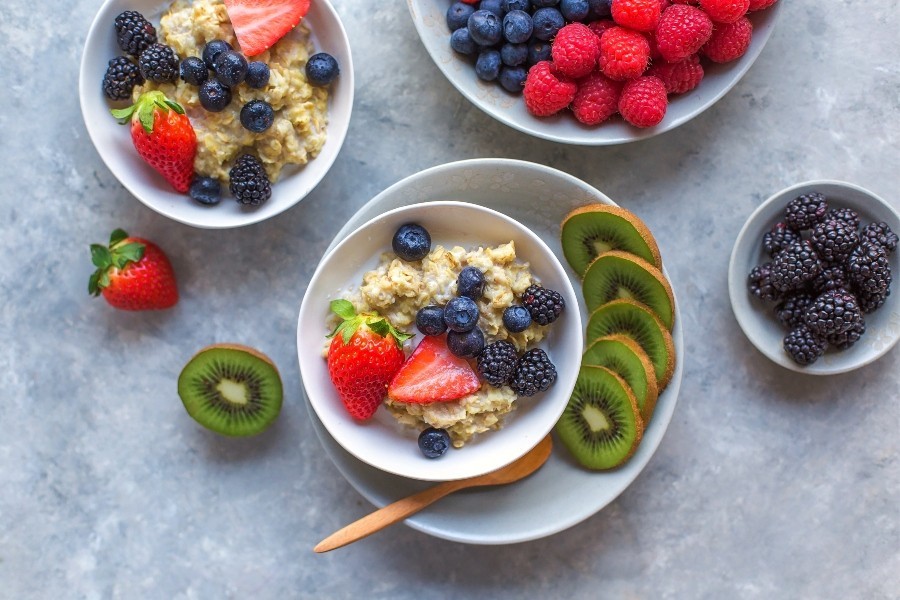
(386, 516)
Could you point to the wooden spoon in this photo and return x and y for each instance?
(401, 509)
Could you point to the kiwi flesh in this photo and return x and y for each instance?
(636, 321)
(231, 389)
(617, 274)
(589, 231)
(601, 425)
(624, 357)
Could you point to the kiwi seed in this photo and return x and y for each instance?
(624, 357)
(617, 274)
(592, 230)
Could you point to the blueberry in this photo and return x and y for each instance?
(231, 68)
(487, 67)
(458, 15)
(517, 27)
(514, 55)
(214, 96)
(494, 6)
(321, 69)
(544, 3)
(430, 320)
(470, 283)
(434, 443)
(574, 10)
(600, 9)
(513, 79)
(467, 344)
(206, 190)
(547, 22)
(411, 242)
(516, 319)
(257, 74)
(538, 50)
(257, 116)
(212, 50)
(485, 27)
(461, 314)
(510, 5)
(193, 70)
(461, 41)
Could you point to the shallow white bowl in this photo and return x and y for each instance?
(429, 17)
(113, 141)
(384, 443)
(757, 318)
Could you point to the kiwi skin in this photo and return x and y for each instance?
(647, 402)
(579, 256)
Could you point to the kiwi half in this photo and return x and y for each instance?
(636, 321)
(617, 274)
(624, 357)
(591, 230)
(231, 389)
(601, 425)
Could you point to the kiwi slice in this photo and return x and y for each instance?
(617, 274)
(231, 389)
(624, 357)
(601, 425)
(591, 230)
(640, 324)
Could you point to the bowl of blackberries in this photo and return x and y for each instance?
(811, 277)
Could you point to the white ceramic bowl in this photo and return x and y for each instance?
(429, 17)
(757, 318)
(113, 141)
(384, 443)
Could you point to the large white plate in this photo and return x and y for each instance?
(561, 494)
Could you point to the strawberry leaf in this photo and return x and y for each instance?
(349, 330)
(343, 308)
(381, 327)
(117, 236)
(93, 284)
(100, 256)
(174, 106)
(132, 252)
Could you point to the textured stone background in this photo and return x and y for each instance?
(767, 485)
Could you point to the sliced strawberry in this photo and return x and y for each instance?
(258, 24)
(433, 374)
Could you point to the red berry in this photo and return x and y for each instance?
(602, 26)
(636, 14)
(597, 99)
(433, 374)
(624, 54)
(679, 77)
(546, 92)
(729, 42)
(725, 11)
(132, 274)
(575, 50)
(643, 101)
(682, 32)
(760, 4)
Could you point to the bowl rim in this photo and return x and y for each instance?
(736, 285)
(567, 375)
(85, 90)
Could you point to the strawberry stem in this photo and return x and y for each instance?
(143, 109)
(119, 254)
(350, 323)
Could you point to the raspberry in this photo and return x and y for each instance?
(729, 42)
(575, 50)
(602, 26)
(597, 99)
(682, 32)
(679, 77)
(643, 101)
(642, 15)
(761, 4)
(624, 54)
(725, 11)
(545, 92)
(654, 47)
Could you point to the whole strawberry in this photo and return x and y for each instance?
(364, 355)
(132, 274)
(163, 136)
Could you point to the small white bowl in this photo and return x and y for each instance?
(113, 141)
(429, 17)
(381, 441)
(757, 318)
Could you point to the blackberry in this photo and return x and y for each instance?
(869, 303)
(833, 312)
(249, 183)
(760, 284)
(497, 363)
(544, 305)
(831, 277)
(159, 64)
(869, 269)
(804, 346)
(834, 240)
(803, 212)
(847, 215)
(880, 233)
(792, 311)
(534, 373)
(778, 238)
(134, 33)
(121, 77)
(844, 340)
(794, 266)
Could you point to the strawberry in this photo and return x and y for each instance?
(132, 274)
(365, 353)
(433, 374)
(258, 24)
(163, 136)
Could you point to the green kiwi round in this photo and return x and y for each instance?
(624, 357)
(231, 389)
(589, 231)
(616, 274)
